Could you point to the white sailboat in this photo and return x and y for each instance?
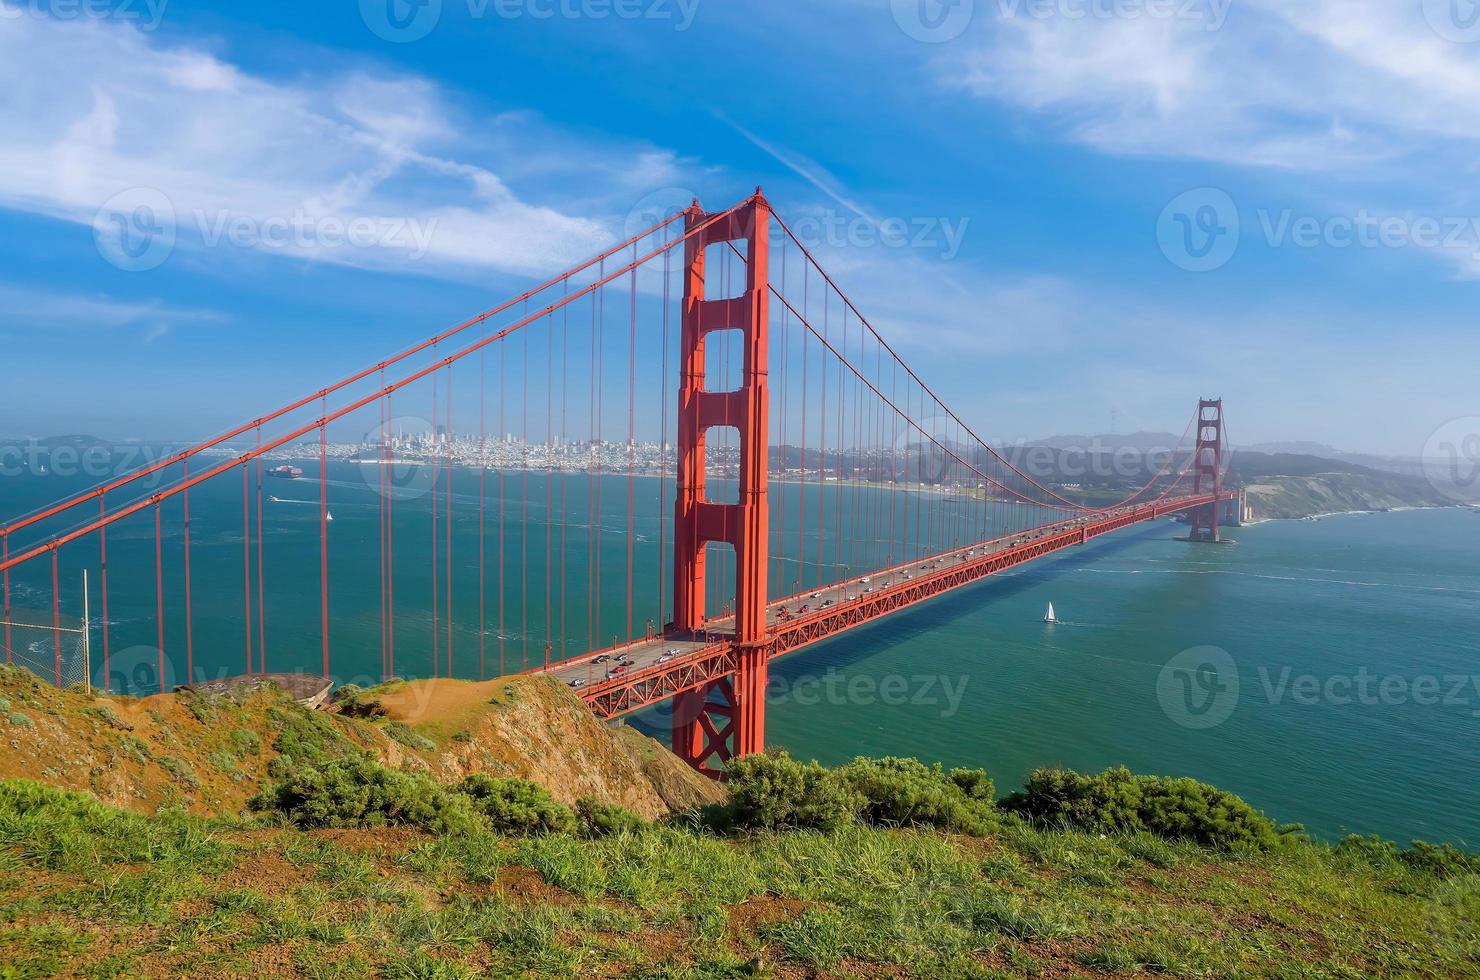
(329, 515)
(1049, 616)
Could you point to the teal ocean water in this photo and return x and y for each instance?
(1333, 678)
(1304, 610)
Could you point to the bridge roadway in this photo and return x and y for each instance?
(658, 667)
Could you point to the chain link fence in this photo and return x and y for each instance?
(55, 651)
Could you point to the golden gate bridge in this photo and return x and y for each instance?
(817, 484)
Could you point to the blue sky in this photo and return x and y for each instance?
(1121, 204)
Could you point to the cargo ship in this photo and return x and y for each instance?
(285, 472)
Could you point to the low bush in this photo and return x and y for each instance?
(776, 792)
(352, 703)
(517, 806)
(1118, 801)
(908, 793)
(305, 738)
(1442, 861)
(358, 791)
(409, 737)
(604, 819)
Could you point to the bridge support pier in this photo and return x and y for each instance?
(726, 719)
(1207, 469)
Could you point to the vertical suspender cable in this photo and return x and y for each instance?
(103, 559)
(56, 618)
(631, 431)
(447, 517)
(261, 574)
(5, 556)
(189, 612)
(158, 598)
(482, 509)
(324, 532)
(247, 562)
(390, 546)
(436, 594)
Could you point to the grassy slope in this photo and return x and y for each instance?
(89, 890)
(208, 755)
(108, 893)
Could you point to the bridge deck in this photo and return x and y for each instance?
(668, 664)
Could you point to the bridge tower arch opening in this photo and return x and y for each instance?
(726, 719)
(1207, 471)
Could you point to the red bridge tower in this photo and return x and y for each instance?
(726, 719)
(1207, 469)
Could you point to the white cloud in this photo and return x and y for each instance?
(1306, 85)
(34, 310)
(93, 108)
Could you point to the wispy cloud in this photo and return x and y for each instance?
(39, 310)
(1304, 85)
(809, 170)
(97, 108)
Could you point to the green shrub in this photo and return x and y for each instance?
(908, 793)
(352, 703)
(604, 819)
(517, 806)
(202, 706)
(246, 742)
(306, 738)
(409, 737)
(21, 719)
(107, 716)
(360, 792)
(180, 770)
(1118, 801)
(776, 792)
